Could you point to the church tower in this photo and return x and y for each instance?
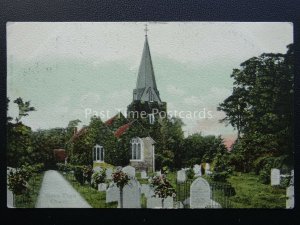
(146, 98)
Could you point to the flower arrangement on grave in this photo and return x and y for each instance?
(162, 188)
(17, 183)
(120, 179)
(98, 178)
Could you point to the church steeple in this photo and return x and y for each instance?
(146, 89)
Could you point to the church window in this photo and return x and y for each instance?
(151, 118)
(98, 153)
(136, 149)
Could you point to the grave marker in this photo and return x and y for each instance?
(200, 194)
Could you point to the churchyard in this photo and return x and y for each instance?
(198, 191)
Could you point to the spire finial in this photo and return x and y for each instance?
(146, 29)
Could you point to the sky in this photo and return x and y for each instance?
(74, 70)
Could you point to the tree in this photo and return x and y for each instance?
(260, 106)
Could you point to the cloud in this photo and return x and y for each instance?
(173, 90)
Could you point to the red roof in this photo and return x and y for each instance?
(59, 154)
(79, 133)
(111, 120)
(122, 129)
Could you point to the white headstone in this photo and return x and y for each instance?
(97, 169)
(200, 193)
(275, 177)
(155, 203)
(144, 175)
(102, 187)
(129, 170)
(132, 195)
(290, 193)
(108, 173)
(181, 176)
(112, 193)
(158, 173)
(145, 189)
(197, 170)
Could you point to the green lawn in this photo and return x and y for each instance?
(94, 197)
(250, 193)
(29, 199)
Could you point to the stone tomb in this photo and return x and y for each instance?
(112, 193)
(102, 187)
(156, 203)
(290, 201)
(108, 173)
(144, 175)
(200, 194)
(181, 176)
(131, 195)
(97, 169)
(275, 177)
(197, 170)
(129, 170)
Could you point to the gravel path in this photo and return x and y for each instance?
(56, 192)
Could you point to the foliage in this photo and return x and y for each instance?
(260, 108)
(120, 178)
(162, 187)
(190, 173)
(17, 183)
(78, 174)
(98, 177)
(87, 172)
(220, 176)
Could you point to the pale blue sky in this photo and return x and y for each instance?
(64, 68)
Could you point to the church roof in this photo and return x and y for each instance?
(122, 129)
(146, 76)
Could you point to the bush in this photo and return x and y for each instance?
(87, 172)
(190, 173)
(78, 174)
(98, 178)
(17, 182)
(220, 176)
(264, 175)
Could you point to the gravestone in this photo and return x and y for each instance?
(158, 173)
(200, 193)
(275, 177)
(181, 176)
(156, 202)
(108, 173)
(207, 169)
(10, 195)
(144, 175)
(292, 178)
(112, 193)
(197, 170)
(102, 187)
(178, 205)
(145, 189)
(97, 169)
(290, 193)
(132, 195)
(129, 170)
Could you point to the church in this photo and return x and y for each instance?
(143, 112)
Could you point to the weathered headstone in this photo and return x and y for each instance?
(200, 193)
(129, 170)
(197, 170)
(290, 201)
(132, 195)
(102, 187)
(155, 202)
(112, 193)
(158, 173)
(275, 177)
(181, 176)
(108, 173)
(97, 169)
(145, 189)
(207, 169)
(10, 195)
(144, 175)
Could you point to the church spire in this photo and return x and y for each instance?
(146, 89)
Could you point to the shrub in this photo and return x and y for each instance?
(120, 178)
(220, 176)
(190, 173)
(17, 182)
(78, 174)
(97, 178)
(162, 187)
(87, 172)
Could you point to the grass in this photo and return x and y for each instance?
(94, 197)
(250, 193)
(29, 199)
